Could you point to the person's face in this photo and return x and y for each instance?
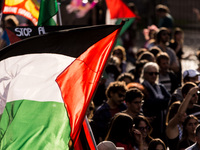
(165, 37)
(193, 79)
(118, 53)
(178, 36)
(160, 14)
(164, 65)
(159, 147)
(152, 34)
(118, 97)
(194, 99)
(143, 128)
(135, 105)
(191, 126)
(151, 74)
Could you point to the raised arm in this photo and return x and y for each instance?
(172, 128)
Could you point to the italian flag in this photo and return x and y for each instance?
(46, 84)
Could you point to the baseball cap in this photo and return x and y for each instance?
(108, 145)
(190, 73)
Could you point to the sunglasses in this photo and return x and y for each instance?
(121, 95)
(143, 128)
(153, 73)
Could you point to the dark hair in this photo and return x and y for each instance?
(121, 49)
(185, 133)
(140, 51)
(115, 87)
(162, 8)
(187, 86)
(136, 122)
(122, 76)
(140, 64)
(120, 129)
(148, 56)
(155, 50)
(138, 67)
(173, 109)
(113, 66)
(177, 30)
(132, 94)
(153, 144)
(158, 35)
(162, 55)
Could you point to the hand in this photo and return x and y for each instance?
(138, 136)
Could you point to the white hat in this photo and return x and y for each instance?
(190, 73)
(108, 145)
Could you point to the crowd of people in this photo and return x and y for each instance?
(153, 106)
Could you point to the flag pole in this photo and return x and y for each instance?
(59, 14)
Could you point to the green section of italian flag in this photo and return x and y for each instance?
(44, 124)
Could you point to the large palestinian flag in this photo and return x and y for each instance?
(46, 84)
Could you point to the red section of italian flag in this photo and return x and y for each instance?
(118, 9)
(79, 81)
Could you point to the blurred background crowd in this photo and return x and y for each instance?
(149, 92)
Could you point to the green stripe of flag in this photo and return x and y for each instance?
(44, 124)
(124, 28)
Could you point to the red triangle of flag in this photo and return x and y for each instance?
(79, 81)
(118, 9)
